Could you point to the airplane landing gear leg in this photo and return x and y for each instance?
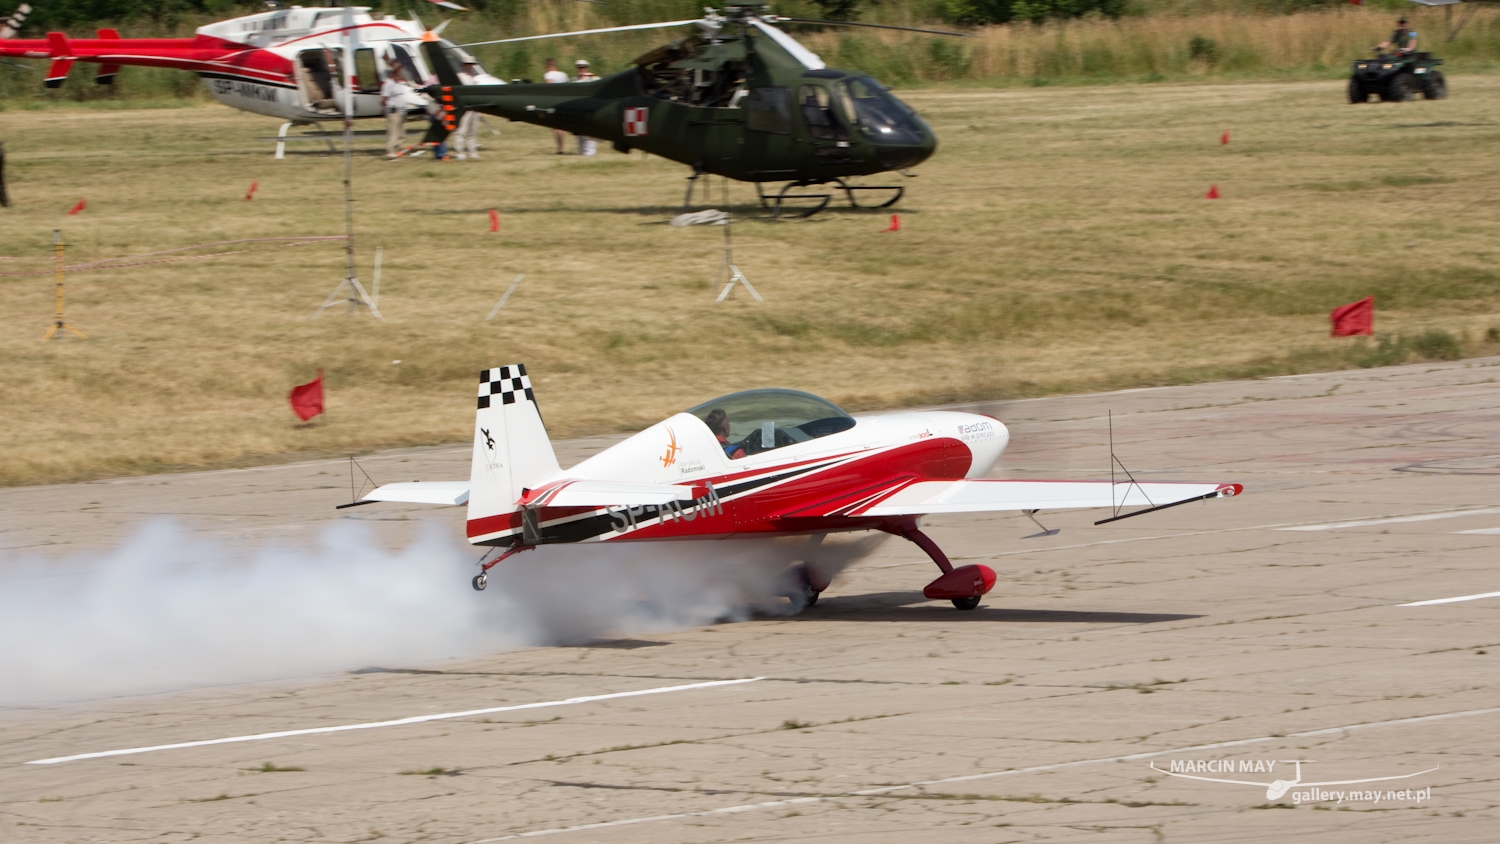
(964, 586)
(482, 579)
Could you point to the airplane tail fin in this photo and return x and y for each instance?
(511, 450)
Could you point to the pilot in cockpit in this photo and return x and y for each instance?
(718, 422)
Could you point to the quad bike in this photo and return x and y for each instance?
(1397, 77)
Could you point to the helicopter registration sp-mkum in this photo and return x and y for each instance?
(760, 463)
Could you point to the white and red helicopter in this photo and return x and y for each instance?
(294, 63)
(759, 463)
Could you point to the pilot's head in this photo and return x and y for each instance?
(718, 422)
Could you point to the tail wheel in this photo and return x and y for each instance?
(1357, 92)
(1435, 87)
(480, 581)
(1399, 89)
(966, 603)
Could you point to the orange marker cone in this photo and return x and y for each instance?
(1224, 138)
(494, 220)
(250, 194)
(895, 225)
(1213, 192)
(82, 204)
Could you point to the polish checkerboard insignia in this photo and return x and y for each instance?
(507, 382)
(636, 121)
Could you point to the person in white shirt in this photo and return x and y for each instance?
(555, 75)
(393, 97)
(466, 139)
(586, 145)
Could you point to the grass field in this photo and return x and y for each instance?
(1058, 241)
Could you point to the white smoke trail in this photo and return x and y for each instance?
(166, 611)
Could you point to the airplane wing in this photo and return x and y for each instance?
(982, 495)
(450, 493)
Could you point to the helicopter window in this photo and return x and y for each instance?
(768, 110)
(878, 115)
(366, 79)
(762, 420)
(317, 71)
(817, 112)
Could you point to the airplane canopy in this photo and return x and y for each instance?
(766, 419)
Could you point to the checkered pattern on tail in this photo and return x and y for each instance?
(505, 382)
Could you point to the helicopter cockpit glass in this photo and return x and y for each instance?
(817, 113)
(768, 110)
(761, 420)
(878, 115)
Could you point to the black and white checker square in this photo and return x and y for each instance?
(505, 382)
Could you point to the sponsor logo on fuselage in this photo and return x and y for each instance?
(670, 457)
(977, 432)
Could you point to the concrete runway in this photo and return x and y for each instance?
(1237, 632)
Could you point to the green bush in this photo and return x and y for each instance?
(1436, 344)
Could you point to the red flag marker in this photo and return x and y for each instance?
(895, 225)
(1213, 192)
(1354, 318)
(307, 399)
(494, 220)
(1224, 138)
(82, 204)
(250, 194)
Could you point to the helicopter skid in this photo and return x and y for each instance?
(823, 199)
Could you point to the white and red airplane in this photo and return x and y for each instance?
(287, 63)
(758, 463)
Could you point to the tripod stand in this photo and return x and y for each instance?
(729, 272)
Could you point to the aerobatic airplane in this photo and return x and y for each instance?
(758, 463)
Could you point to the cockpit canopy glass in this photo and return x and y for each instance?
(761, 420)
(878, 115)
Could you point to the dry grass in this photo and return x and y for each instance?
(1058, 241)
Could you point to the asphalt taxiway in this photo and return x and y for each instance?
(1317, 617)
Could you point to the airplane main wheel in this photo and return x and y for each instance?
(480, 581)
(810, 595)
(966, 603)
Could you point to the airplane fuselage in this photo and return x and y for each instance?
(815, 486)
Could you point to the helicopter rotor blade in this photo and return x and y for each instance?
(780, 19)
(663, 25)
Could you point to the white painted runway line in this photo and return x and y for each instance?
(1391, 520)
(417, 719)
(1451, 600)
(876, 792)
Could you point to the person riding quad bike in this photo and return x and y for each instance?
(1398, 72)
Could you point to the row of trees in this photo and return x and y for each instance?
(64, 14)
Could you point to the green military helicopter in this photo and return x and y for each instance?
(739, 98)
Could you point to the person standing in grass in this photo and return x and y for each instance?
(555, 75)
(393, 97)
(586, 145)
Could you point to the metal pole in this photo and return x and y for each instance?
(57, 319)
